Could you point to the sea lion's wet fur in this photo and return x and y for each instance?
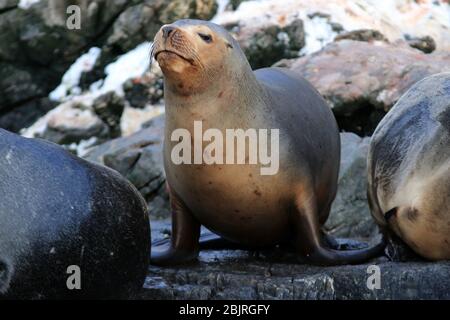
(57, 210)
(236, 201)
(409, 168)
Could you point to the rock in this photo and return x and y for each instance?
(361, 81)
(350, 214)
(36, 48)
(196, 9)
(109, 107)
(139, 23)
(425, 44)
(367, 35)
(59, 212)
(148, 89)
(26, 114)
(70, 122)
(6, 5)
(270, 44)
(276, 275)
(139, 159)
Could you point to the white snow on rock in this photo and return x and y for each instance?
(25, 4)
(318, 33)
(71, 79)
(221, 7)
(393, 18)
(130, 65)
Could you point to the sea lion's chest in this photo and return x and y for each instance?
(226, 194)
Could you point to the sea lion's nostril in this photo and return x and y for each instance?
(167, 31)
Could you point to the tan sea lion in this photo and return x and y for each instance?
(409, 168)
(207, 78)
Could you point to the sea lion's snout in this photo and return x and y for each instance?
(173, 48)
(166, 31)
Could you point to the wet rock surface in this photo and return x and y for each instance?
(276, 275)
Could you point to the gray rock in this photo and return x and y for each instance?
(350, 214)
(425, 44)
(109, 107)
(367, 35)
(266, 46)
(72, 122)
(144, 90)
(236, 274)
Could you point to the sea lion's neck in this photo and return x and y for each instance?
(239, 94)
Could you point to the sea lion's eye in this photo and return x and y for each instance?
(205, 37)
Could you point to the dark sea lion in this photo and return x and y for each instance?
(409, 168)
(208, 78)
(56, 211)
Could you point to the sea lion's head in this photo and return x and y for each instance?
(196, 56)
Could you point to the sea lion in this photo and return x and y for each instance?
(208, 79)
(409, 168)
(58, 211)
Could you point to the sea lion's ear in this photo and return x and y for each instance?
(229, 45)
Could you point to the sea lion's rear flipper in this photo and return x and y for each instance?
(183, 245)
(310, 242)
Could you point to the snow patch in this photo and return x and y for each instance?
(71, 79)
(130, 65)
(221, 7)
(25, 4)
(318, 33)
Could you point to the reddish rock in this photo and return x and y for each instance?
(352, 74)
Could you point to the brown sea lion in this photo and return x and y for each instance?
(208, 79)
(409, 168)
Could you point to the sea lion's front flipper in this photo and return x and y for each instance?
(310, 242)
(184, 243)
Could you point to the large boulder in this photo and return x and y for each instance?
(362, 80)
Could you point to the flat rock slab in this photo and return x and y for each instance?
(237, 274)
